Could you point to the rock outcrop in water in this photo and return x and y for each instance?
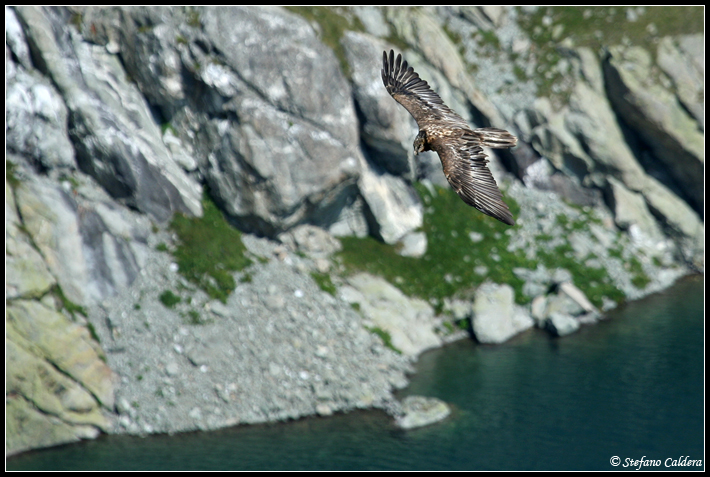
(117, 119)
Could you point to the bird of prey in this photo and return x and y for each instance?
(447, 133)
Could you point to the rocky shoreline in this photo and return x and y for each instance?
(282, 348)
(279, 349)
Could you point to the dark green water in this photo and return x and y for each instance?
(631, 387)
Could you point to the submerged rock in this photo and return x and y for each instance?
(422, 411)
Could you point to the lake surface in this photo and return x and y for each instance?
(630, 387)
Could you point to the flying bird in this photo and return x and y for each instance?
(447, 133)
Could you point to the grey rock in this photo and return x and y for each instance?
(172, 368)
(351, 220)
(44, 407)
(373, 20)
(311, 240)
(561, 313)
(122, 150)
(496, 318)
(50, 219)
(219, 309)
(31, 429)
(36, 120)
(541, 279)
(655, 115)
(592, 120)
(68, 346)
(553, 141)
(562, 303)
(590, 69)
(561, 324)
(578, 296)
(414, 244)
(459, 309)
(263, 362)
(388, 130)
(90, 259)
(630, 210)
(25, 269)
(15, 40)
(679, 219)
(393, 207)
(538, 310)
(291, 152)
(683, 60)
(675, 212)
(585, 140)
(420, 411)
(409, 321)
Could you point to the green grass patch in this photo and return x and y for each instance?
(640, 279)
(453, 261)
(594, 282)
(596, 28)
(165, 127)
(209, 251)
(10, 176)
(464, 324)
(195, 318)
(169, 299)
(324, 282)
(66, 304)
(448, 266)
(385, 337)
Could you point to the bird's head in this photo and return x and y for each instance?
(420, 144)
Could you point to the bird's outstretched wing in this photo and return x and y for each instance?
(465, 168)
(459, 147)
(412, 92)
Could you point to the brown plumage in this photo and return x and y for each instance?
(447, 133)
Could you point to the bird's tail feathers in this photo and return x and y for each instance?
(496, 138)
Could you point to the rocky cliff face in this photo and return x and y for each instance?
(120, 118)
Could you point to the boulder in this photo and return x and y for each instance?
(410, 322)
(311, 240)
(421, 411)
(496, 317)
(414, 244)
(561, 324)
(393, 206)
(630, 210)
(562, 312)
